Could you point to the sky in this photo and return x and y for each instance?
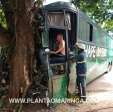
(51, 1)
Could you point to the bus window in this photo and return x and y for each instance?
(53, 32)
(84, 29)
(91, 33)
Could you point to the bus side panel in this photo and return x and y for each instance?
(59, 86)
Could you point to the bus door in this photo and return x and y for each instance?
(58, 23)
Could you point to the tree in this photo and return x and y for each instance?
(98, 10)
(18, 31)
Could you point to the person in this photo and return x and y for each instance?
(81, 70)
(58, 54)
(60, 45)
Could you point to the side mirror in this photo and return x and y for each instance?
(47, 50)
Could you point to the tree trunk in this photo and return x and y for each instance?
(22, 60)
(5, 38)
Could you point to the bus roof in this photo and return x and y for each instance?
(58, 6)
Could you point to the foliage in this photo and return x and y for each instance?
(39, 2)
(2, 19)
(98, 10)
(108, 24)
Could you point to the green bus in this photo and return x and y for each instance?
(76, 27)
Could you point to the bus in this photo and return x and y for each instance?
(76, 27)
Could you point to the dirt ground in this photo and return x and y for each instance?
(96, 102)
(99, 99)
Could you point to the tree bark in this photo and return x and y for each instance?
(5, 38)
(22, 60)
(19, 29)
